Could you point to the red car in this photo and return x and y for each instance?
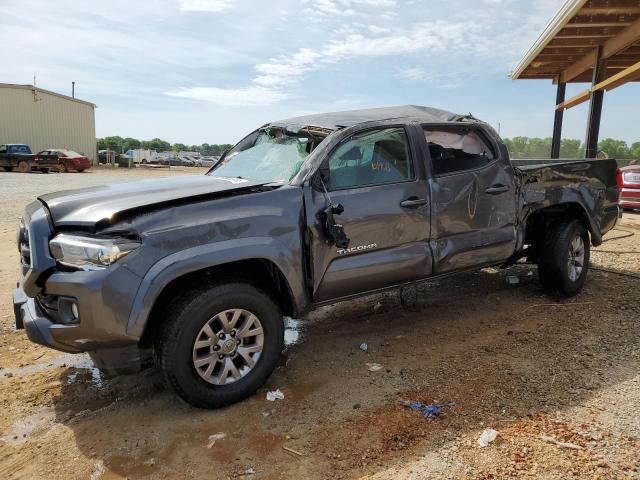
(65, 159)
(629, 185)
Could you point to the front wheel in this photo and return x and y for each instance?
(62, 168)
(219, 344)
(24, 166)
(564, 258)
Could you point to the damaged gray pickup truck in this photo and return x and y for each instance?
(200, 270)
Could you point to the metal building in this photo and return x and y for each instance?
(44, 119)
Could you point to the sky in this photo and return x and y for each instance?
(195, 71)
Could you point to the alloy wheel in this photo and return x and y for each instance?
(228, 346)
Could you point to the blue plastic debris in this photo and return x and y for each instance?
(430, 412)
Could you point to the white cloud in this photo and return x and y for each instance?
(205, 5)
(232, 97)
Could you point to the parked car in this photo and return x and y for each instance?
(629, 183)
(18, 156)
(205, 162)
(301, 213)
(65, 159)
(106, 156)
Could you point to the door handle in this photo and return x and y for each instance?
(496, 189)
(413, 202)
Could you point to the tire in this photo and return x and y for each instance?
(563, 260)
(175, 343)
(62, 168)
(44, 170)
(8, 169)
(24, 166)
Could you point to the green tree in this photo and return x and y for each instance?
(614, 148)
(571, 148)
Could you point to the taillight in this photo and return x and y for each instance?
(619, 182)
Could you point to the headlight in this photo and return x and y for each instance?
(89, 253)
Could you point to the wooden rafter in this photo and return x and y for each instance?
(624, 39)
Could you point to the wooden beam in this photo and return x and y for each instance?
(612, 24)
(629, 74)
(604, 10)
(624, 39)
(575, 100)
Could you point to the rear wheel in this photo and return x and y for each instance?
(563, 260)
(219, 344)
(24, 166)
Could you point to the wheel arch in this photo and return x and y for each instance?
(264, 270)
(540, 220)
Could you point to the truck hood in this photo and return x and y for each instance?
(87, 207)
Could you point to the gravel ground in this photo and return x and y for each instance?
(558, 380)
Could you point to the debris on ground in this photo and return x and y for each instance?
(275, 395)
(430, 412)
(487, 436)
(552, 440)
(377, 307)
(513, 279)
(364, 346)
(151, 462)
(291, 450)
(214, 438)
(374, 367)
(248, 471)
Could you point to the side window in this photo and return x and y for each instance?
(371, 158)
(3, 149)
(457, 151)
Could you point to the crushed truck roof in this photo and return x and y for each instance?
(335, 120)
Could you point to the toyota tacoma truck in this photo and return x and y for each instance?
(200, 270)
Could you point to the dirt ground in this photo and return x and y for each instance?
(558, 380)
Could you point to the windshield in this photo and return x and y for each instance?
(268, 155)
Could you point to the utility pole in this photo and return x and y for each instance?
(73, 89)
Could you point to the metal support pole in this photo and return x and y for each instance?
(557, 121)
(595, 107)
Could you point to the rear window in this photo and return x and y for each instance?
(19, 149)
(453, 152)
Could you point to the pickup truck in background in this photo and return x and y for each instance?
(629, 184)
(300, 213)
(17, 156)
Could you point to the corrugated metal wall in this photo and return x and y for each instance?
(42, 120)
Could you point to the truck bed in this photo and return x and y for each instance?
(589, 183)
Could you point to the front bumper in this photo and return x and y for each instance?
(44, 296)
(40, 329)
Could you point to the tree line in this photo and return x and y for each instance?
(528, 147)
(121, 145)
(519, 147)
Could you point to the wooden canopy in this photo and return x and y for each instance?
(566, 49)
(595, 41)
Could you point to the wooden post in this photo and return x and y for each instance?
(595, 106)
(557, 121)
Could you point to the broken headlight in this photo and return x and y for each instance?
(89, 253)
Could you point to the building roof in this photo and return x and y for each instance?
(565, 50)
(334, 120)
(49, 92)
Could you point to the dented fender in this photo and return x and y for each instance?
(210, 255)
